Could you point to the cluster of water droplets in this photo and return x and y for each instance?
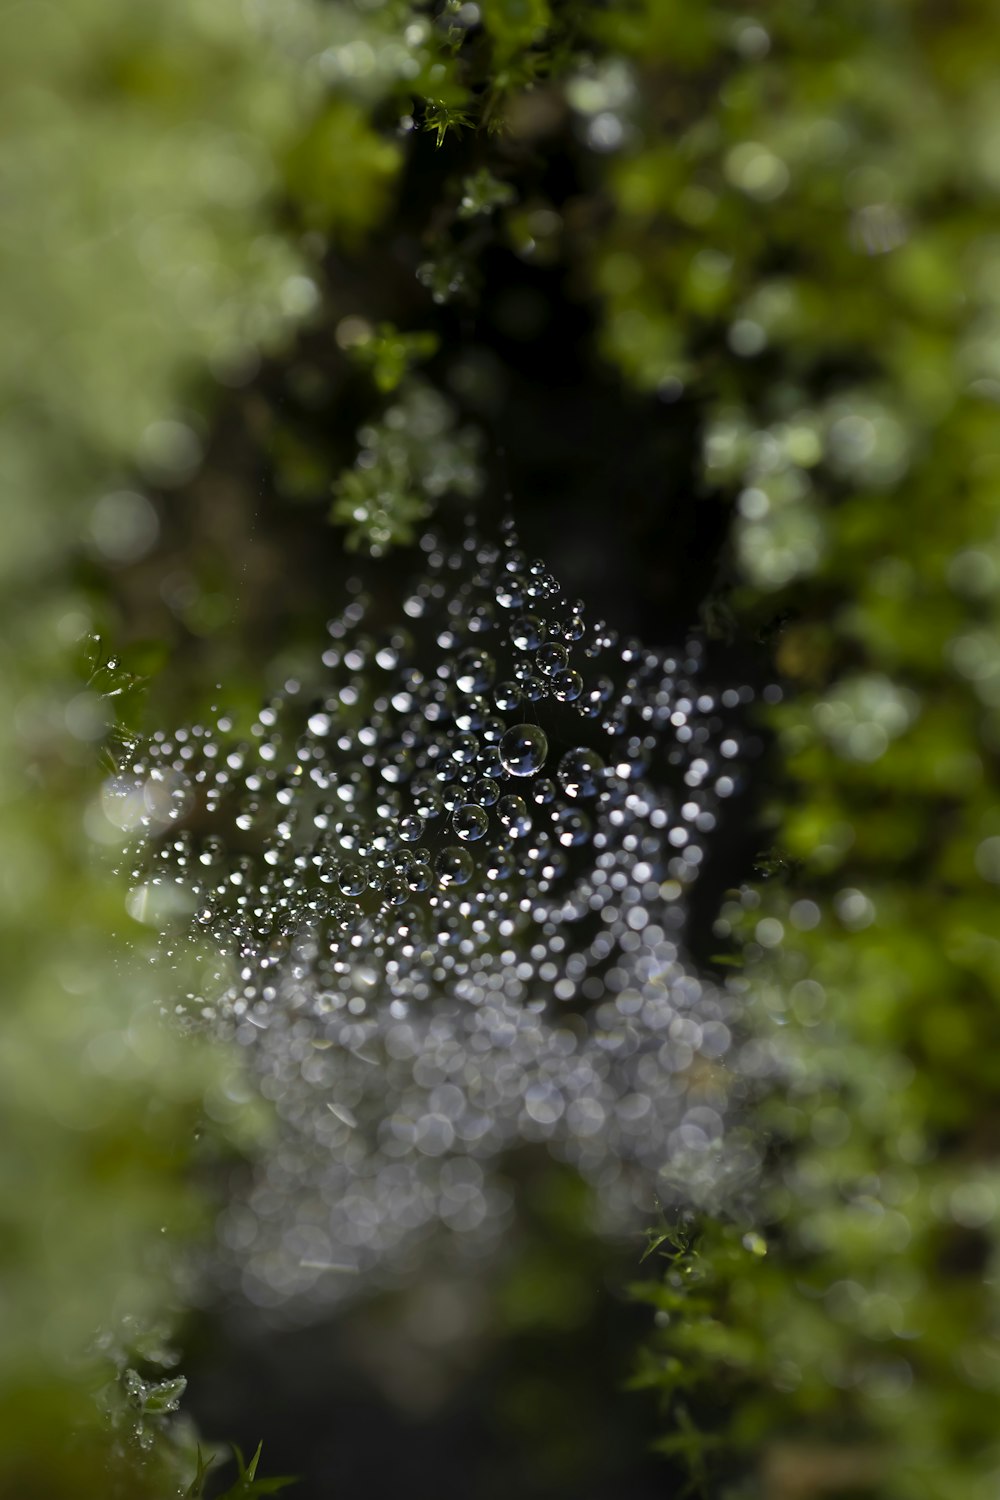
(448, 881)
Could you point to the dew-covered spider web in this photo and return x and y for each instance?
(447, 878)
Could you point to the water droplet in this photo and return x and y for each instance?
(353, 879)
(507, 697)
(526, 632)
(581, 773)
(454, 866)
(470, 822)
(475, 671)
(464, 748)
(523, 750)
(513, 814)
(572, 827)
(551, 658)
(419, 876)
(428, 803)
(510, 594)
(567, 685)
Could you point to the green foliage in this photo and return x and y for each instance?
(246, 1486)
(440, 118)
(412, 456)
(388, 353)
(340, 170)
(514, 25)
(482, 193)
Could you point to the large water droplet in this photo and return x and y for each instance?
(551, 658)
(526, 632)
(567, 685)
(419, 876)
(454, 866)
(470, 822)
(523, 750)
(507, 696)
(485, 791)
(581, 772)
(571, 827)
(353, 879)
(395, 890)
(475, 671)
(513, 814)
(464, 749)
